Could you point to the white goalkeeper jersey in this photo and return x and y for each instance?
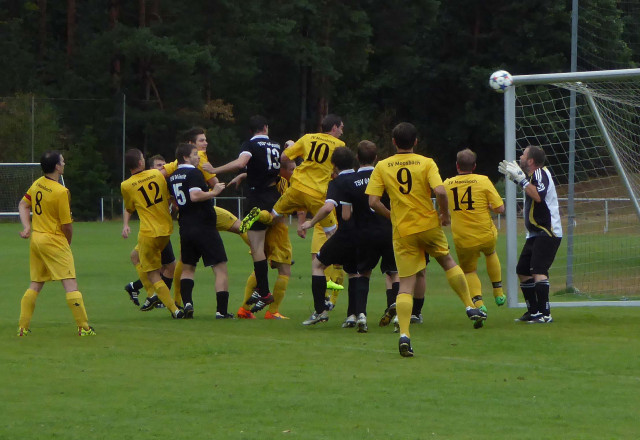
(542, 218)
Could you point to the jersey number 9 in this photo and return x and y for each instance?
(404, 179)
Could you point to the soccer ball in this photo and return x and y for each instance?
(500, 81)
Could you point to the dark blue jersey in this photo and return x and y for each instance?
(335, 193)
(367, 222)
(263, 168)
(191, 214)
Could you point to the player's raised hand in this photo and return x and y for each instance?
(218, 187)
(516, 174)
(207, 167)
(502, 167)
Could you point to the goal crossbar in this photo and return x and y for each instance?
(510, 145)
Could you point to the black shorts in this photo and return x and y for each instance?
(337, 250)
(167, 256)
(264, 199)
(371, 251)
(537, 255)
(202, 243)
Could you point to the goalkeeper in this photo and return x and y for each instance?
(544, 231)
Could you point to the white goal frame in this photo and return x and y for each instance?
(512, 282)
(11, 164)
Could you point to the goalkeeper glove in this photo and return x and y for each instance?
(512, 171)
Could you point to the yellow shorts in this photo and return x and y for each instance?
(150, 252)
(468, 257)
(294, 200)
(319, 238)
(50, 258)
(410, 250)
(277, 245)
(224, 219)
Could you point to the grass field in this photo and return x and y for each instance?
(146, 376)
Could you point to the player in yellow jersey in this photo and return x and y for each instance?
(50, 230)
(472, 197)
(168, 258)
(147, 193)
(309, 180)
(408, 179)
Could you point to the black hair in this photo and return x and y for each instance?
(329, 121)
(183, 150)
(257, 123)
(342, 158)
(405, 135)
(49, 160)
(132, 158)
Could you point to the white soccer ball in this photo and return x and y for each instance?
(500, 81)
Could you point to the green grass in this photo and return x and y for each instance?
(146, 376)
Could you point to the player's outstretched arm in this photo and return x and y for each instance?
(197, 195)
(25, 218)
(321, 214)
(233, 166)
(236, 181)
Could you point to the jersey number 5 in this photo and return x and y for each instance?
(466, 199)
(181, 199)
(157, 198)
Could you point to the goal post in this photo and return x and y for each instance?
(588, 124)
(15, 180)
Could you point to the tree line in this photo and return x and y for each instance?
(214, 63)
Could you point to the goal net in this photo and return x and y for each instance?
(588, 124)
(15, 180)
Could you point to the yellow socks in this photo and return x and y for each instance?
(475, 288)
(404, 306)
(76, 304)
(27, 306)
(177, 273)
(165, 296)
(279, 289)
(245, 238)
(148, 286)
(458, 283)
(248, 289)
(495, 273)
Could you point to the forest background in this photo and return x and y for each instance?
(91, 77)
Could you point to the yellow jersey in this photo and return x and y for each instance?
(49, 203)
(171, 167)
(282, 184)
(313, 175)
(408, 179)
(471, 196)
(147, 193)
